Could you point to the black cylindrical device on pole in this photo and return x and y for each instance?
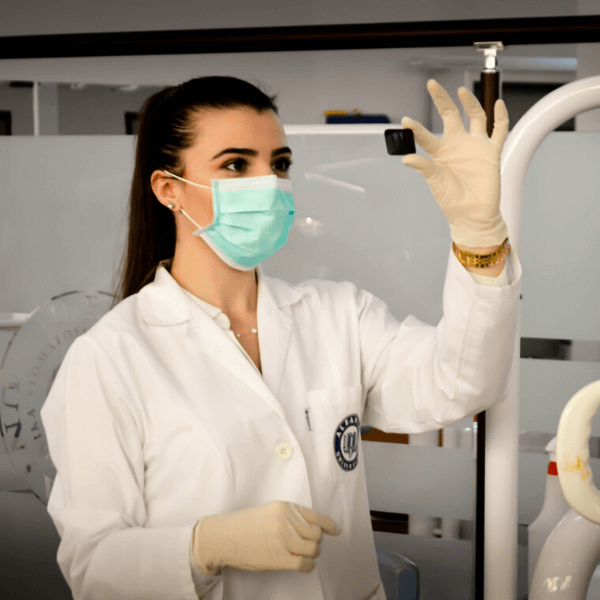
(490, 92)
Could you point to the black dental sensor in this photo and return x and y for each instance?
(400, 141)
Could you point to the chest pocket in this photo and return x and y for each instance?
(332, 424)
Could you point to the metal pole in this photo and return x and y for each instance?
(490, 92)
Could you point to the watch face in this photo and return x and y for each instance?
(28, 370)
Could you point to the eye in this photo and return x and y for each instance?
(235, 162)
(286, 162)
(283, 163)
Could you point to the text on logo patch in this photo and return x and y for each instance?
(345, 442)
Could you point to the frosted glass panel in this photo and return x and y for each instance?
(373, 221)
(545, 388)
(362, 216)
(420, 480)
(561, 239)
(62, 215)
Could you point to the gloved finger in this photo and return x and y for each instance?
(300, 547)
(501, 122)
(308, 531)
(449, 112)
(423, 136)
(428, 169)
(477, 116)
(302, 564)
(327, 524)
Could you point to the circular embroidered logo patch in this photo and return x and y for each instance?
(345, 442)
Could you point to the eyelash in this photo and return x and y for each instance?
(287, 161)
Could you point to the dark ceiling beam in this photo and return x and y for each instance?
(424, 34)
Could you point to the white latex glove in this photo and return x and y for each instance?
(464, 175)
(278, 536)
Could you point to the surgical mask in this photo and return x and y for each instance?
(252, 218)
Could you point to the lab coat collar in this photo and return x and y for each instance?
(278, 292)
(164, 301)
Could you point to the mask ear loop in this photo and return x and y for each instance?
(172, 206)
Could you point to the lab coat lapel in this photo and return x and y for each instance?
(215, 342)
(275, 322)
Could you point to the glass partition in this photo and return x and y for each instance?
(362, 216)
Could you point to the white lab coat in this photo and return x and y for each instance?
(157, 418)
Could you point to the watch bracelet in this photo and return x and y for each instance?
(481, 261)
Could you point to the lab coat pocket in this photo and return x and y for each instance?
(332, 421)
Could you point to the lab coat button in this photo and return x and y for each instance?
(284, 451)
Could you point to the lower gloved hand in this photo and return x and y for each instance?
(464, 175)
(278, 536)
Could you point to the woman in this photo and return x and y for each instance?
(206, 431)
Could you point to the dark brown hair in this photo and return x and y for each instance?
(166, 129)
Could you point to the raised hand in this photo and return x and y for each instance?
(464, 173)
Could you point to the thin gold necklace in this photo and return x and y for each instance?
(253, 330)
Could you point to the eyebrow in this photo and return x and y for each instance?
(249, 152)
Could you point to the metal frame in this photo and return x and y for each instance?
(360, 36)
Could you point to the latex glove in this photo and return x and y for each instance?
(464, 175)
(278, 536)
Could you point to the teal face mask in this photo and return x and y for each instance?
(252, 218)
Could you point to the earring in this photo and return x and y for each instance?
(171, 205)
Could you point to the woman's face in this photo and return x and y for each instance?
(259, 136)
(230, 143)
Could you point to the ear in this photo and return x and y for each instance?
(164, 188)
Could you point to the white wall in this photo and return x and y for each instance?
(37, 17)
